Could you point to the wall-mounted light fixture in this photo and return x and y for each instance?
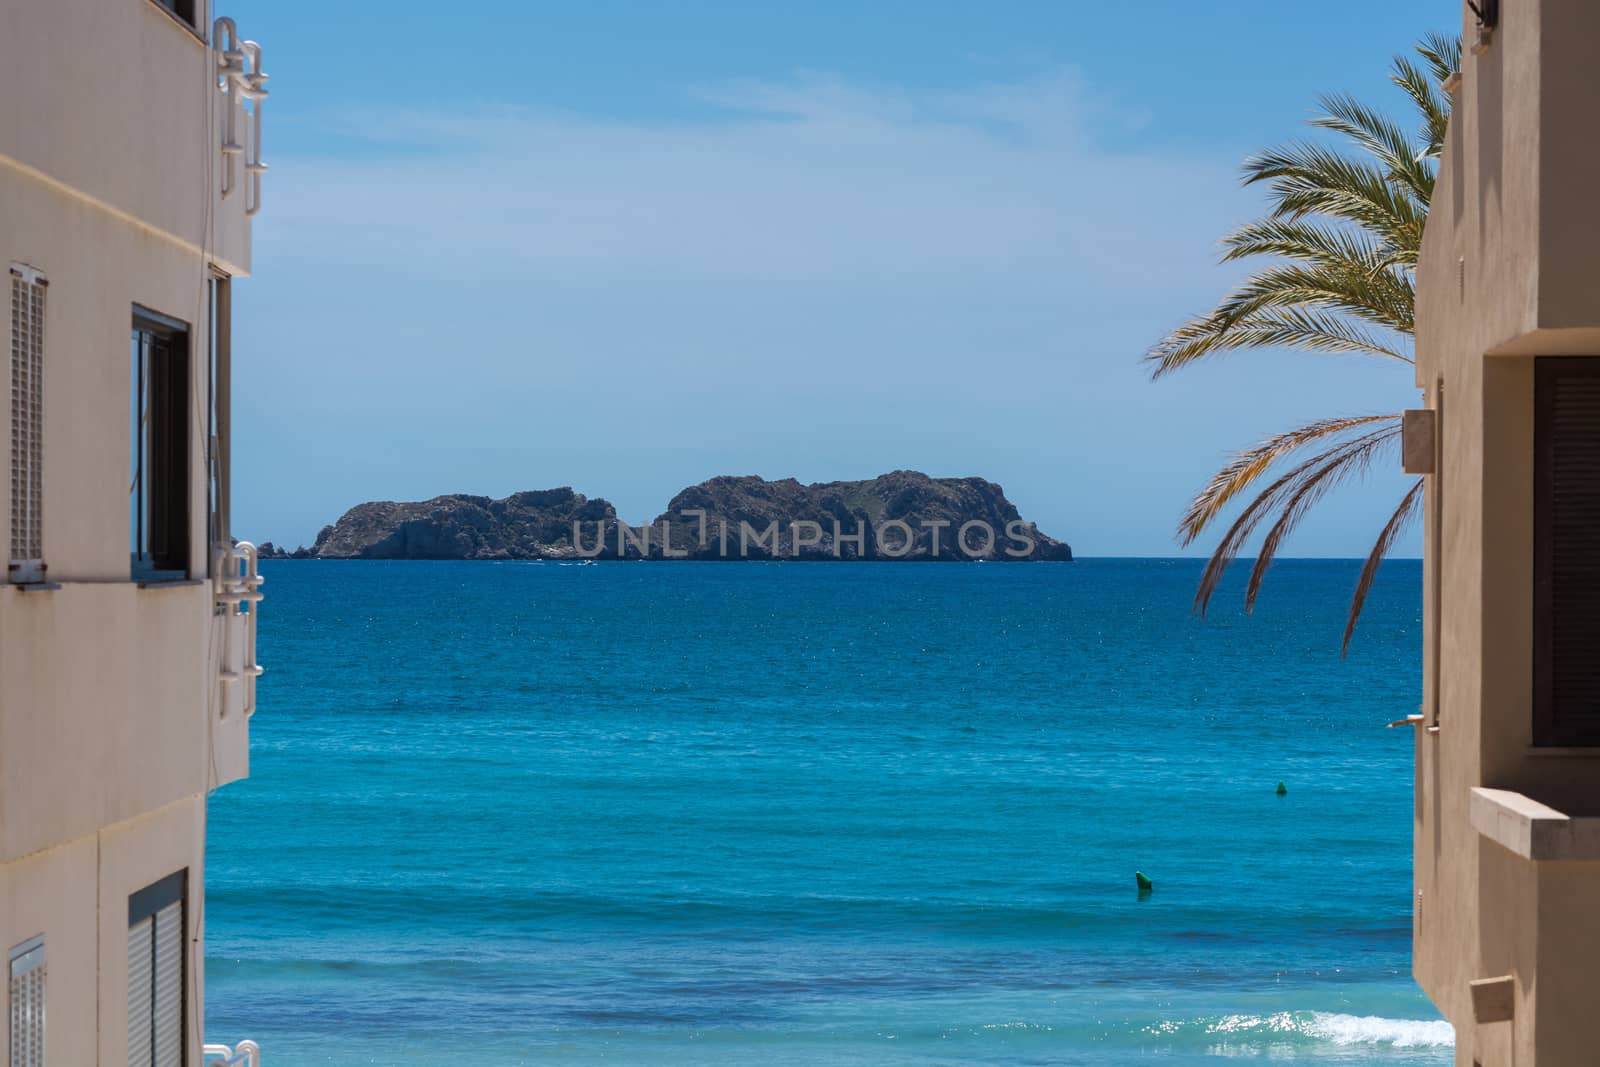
(1487, 13)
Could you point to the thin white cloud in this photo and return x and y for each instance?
(811, 181)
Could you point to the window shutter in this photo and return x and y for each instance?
(26, 996)
(27, 424)
(156, 943)
(141, 981)
(168, 998)
(1567, 551)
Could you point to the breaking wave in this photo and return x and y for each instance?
(1296, 1027)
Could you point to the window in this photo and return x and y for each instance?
(27, 425)
(26, 996)
(217, 375)
(158, 481)
(184, 9)
(155, 973)
(1566, 539)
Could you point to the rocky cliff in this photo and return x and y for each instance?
(901, 515)
(532, 525)
(904, 515)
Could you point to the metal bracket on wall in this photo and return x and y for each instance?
(1494, 1000)
(1419, 443)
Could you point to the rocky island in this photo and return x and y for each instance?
(903, 515)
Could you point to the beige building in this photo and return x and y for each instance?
(1507, 807)
(129, 172)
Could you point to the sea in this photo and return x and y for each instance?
(821, 813)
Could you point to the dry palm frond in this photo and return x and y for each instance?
(1398, 521)
(1335, 462)
(1247, 466)
(1307, 492)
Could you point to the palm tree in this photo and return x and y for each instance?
(1342, 235)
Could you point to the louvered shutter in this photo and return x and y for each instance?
(155, 973)
(25, 993)
(26, 562)
(167, 1012)
(1567, 551)
(141, 983)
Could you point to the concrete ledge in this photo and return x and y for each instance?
(168, 583)
(1533, 830)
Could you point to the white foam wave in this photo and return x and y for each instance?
(1318, 1026)
(1375, 1030)
(1343, 1029)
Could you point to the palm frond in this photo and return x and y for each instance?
(1423, 89)
(1306, 179)
(1274, 496)
(1383, 299)
(1391, 530)
(1442, 53)
(1383, 138)
(1246, 466)
(1308, 491)
(1291, 328)
(1298, 306)
(1302, 239)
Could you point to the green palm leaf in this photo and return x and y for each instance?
(1310, 179)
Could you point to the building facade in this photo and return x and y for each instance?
(130, 171)
(1507, 803)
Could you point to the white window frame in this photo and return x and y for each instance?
(25, 564)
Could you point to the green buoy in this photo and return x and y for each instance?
(1283, 790)
(1145, 884)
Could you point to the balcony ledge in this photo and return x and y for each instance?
(178, 581)
(1533, 830)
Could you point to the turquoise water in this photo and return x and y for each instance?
(819, 814)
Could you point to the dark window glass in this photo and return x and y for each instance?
(184, 9)
(158, 479)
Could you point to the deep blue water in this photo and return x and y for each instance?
(819, 814)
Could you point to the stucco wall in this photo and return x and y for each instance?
(112, 100)
(76, 895)
(1506, 275)
(104, 687)
(98, 267)
(104, 693)
(1569, 165)
(55, 893)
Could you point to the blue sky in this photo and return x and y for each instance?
(627, 247)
